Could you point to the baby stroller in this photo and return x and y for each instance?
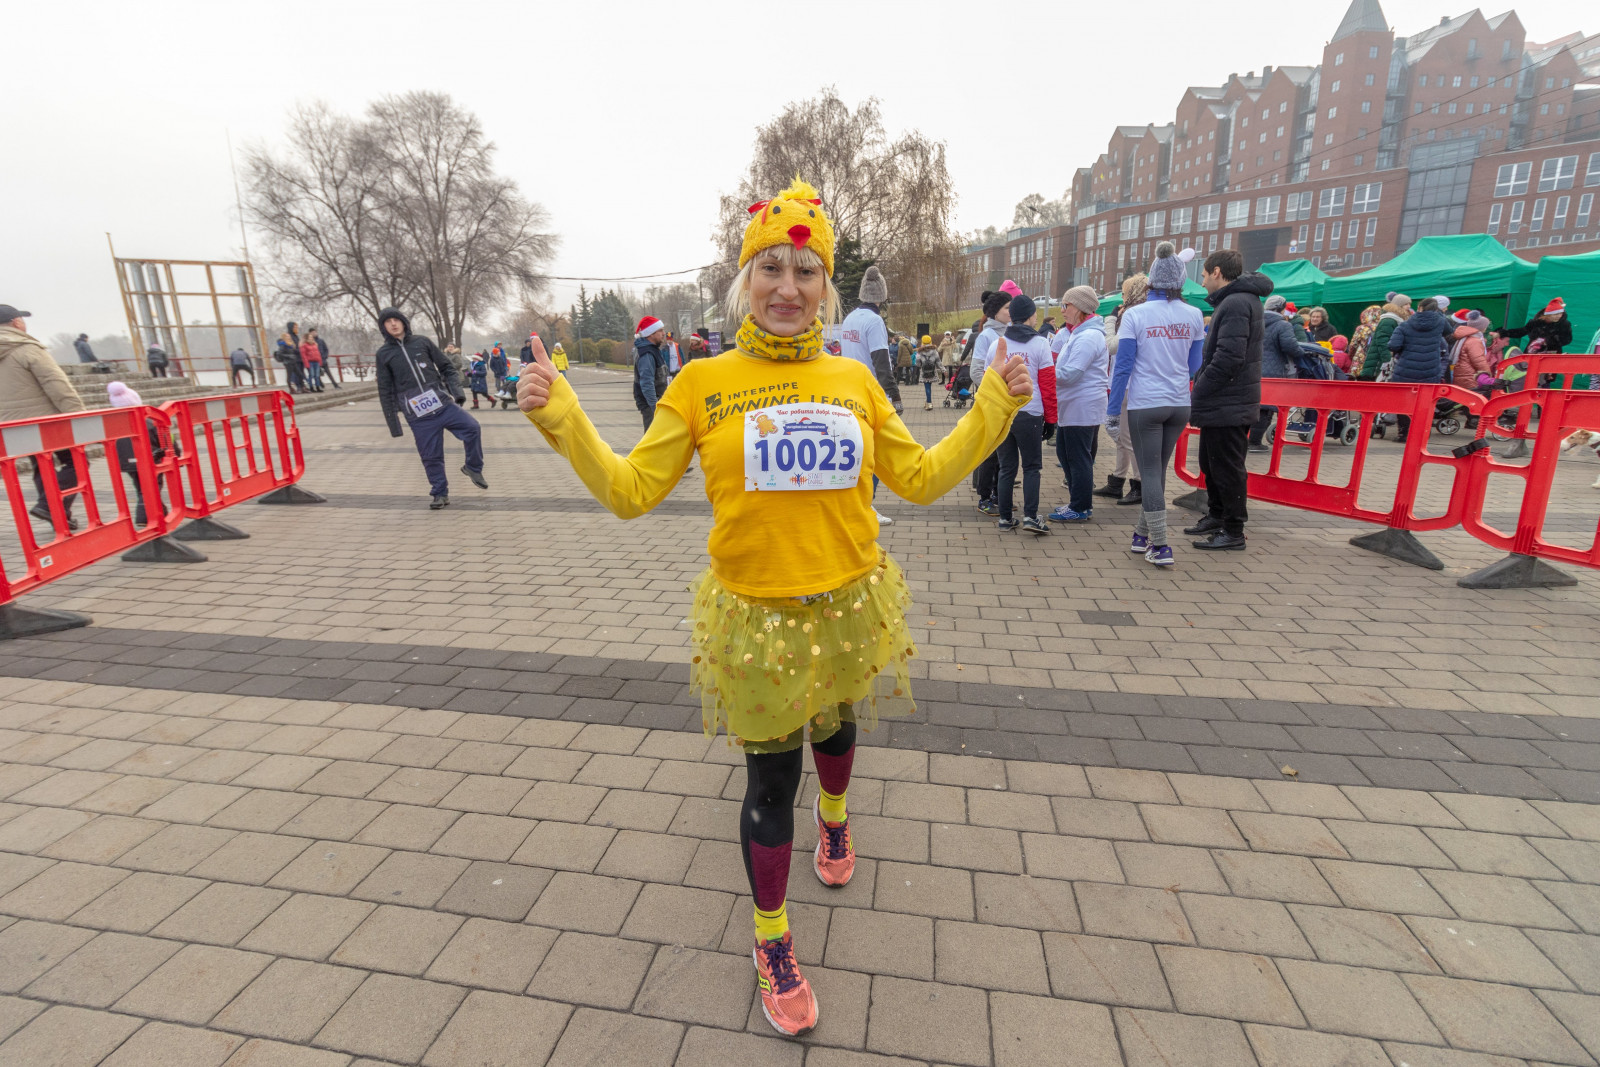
(958, 390)
(508, 391)
(1312, 364)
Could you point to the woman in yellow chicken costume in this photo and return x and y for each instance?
(799, 624)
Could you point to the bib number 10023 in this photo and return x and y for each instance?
(807, 455)
(802, 447)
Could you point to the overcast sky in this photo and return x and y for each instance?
(603, 111)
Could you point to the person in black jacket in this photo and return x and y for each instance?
(1226, 400)
(1550, 326)
(1420, 345)
(419, 381)
(650, 377)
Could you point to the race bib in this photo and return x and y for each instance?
(801, 446)
(425, 403)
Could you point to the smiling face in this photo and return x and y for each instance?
(785, 296)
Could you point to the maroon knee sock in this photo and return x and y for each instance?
(769, 873)
(833, 772)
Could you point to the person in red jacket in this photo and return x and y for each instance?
(311, 356)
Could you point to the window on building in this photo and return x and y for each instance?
(1328, 140)
(1354, 233)
(1452, 109)
(1494, 218)
(1369, 79)
(1469, 109)
(1333, 236)
(1326, 163)
(1512, 179)
(1335, 88)
(1366, 107)
(1283, 107)
(1434, 109)
(1297, 206)
(1267, 210)
(1128, 227)
(1155, 223)
(1316, 261)
(1330, 203)
(1491, 81)
(1209, 216)
(1455, 83)
(1276, 155)
(1372, 232)
(1558, 221)
(1549, 83)
(1372, 53)
(1505, 49)
(1416, 109)
(1181, 219)
(1280, 134)
(1366, 198)
(1360, 159)
(1366, 259)
(1585, 203)
(1303, 231)
(1544, 109)
(1147, 251)
(1262, 139)
(1515, 225)
(1227, 240)
(1536, 223)
(1422, 82)
(1557, 173)
(1338, 60)
(1238, 213)
(1316, 239)
(1122, 256)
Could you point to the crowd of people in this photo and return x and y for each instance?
(306, 365)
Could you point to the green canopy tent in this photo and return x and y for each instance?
(1298, 281)
(1576, 280)
(1472, 269)
(1193, 293)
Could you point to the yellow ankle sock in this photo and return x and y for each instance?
(832, 807)
(772, 925)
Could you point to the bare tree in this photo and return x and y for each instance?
(893, 195)
(1035, 210)
(401, 207)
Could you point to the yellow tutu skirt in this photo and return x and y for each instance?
(767, 668)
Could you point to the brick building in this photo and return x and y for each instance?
(1463, 127)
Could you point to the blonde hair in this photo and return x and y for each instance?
(737, 304)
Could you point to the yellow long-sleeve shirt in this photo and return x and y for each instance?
(784, 543)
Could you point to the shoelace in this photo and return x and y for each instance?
(837, 844)
(780, 961)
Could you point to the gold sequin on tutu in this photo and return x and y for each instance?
(766, 668)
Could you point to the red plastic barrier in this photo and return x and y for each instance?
(1538, 363)
(1561, 411)
(236, 447)
(1363, 402)
(108, 526)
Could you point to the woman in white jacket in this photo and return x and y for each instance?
(1082, 381)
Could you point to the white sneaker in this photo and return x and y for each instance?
(927, 407)
(883, 520)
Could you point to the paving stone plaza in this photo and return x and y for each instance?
(387, 786)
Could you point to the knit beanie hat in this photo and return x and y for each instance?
(794, 216)
(122, 396)
(1476, 321)
(1276, 303)
(874, 290)
(1022, 309)
(1443, 302)
(1010, 288)
(993, 302)
(1082, 297)
(1168, 270)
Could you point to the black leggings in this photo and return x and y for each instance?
(772, 781)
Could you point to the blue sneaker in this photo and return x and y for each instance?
(1140, 545)
(1160, 555)
(1066, 514)
(1008, 524)
(988, 507)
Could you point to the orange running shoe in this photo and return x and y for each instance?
(835, 860)
(786, 997)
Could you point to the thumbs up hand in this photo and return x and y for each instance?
(1013, 370)
(533, 387)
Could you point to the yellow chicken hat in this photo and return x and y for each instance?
(794, 216)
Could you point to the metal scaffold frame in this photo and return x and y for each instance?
(150, 299)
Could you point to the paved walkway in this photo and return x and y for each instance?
(381, 786)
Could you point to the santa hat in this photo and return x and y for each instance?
(122, 396)
(647, 326)
(1557, 306)
(1461, 316)
(1010, 288)
(1289, 308)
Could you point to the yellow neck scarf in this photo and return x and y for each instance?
(758, 342)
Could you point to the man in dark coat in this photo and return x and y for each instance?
(1227, 394)
(650, 376)
(418, 381)
(85, 353)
